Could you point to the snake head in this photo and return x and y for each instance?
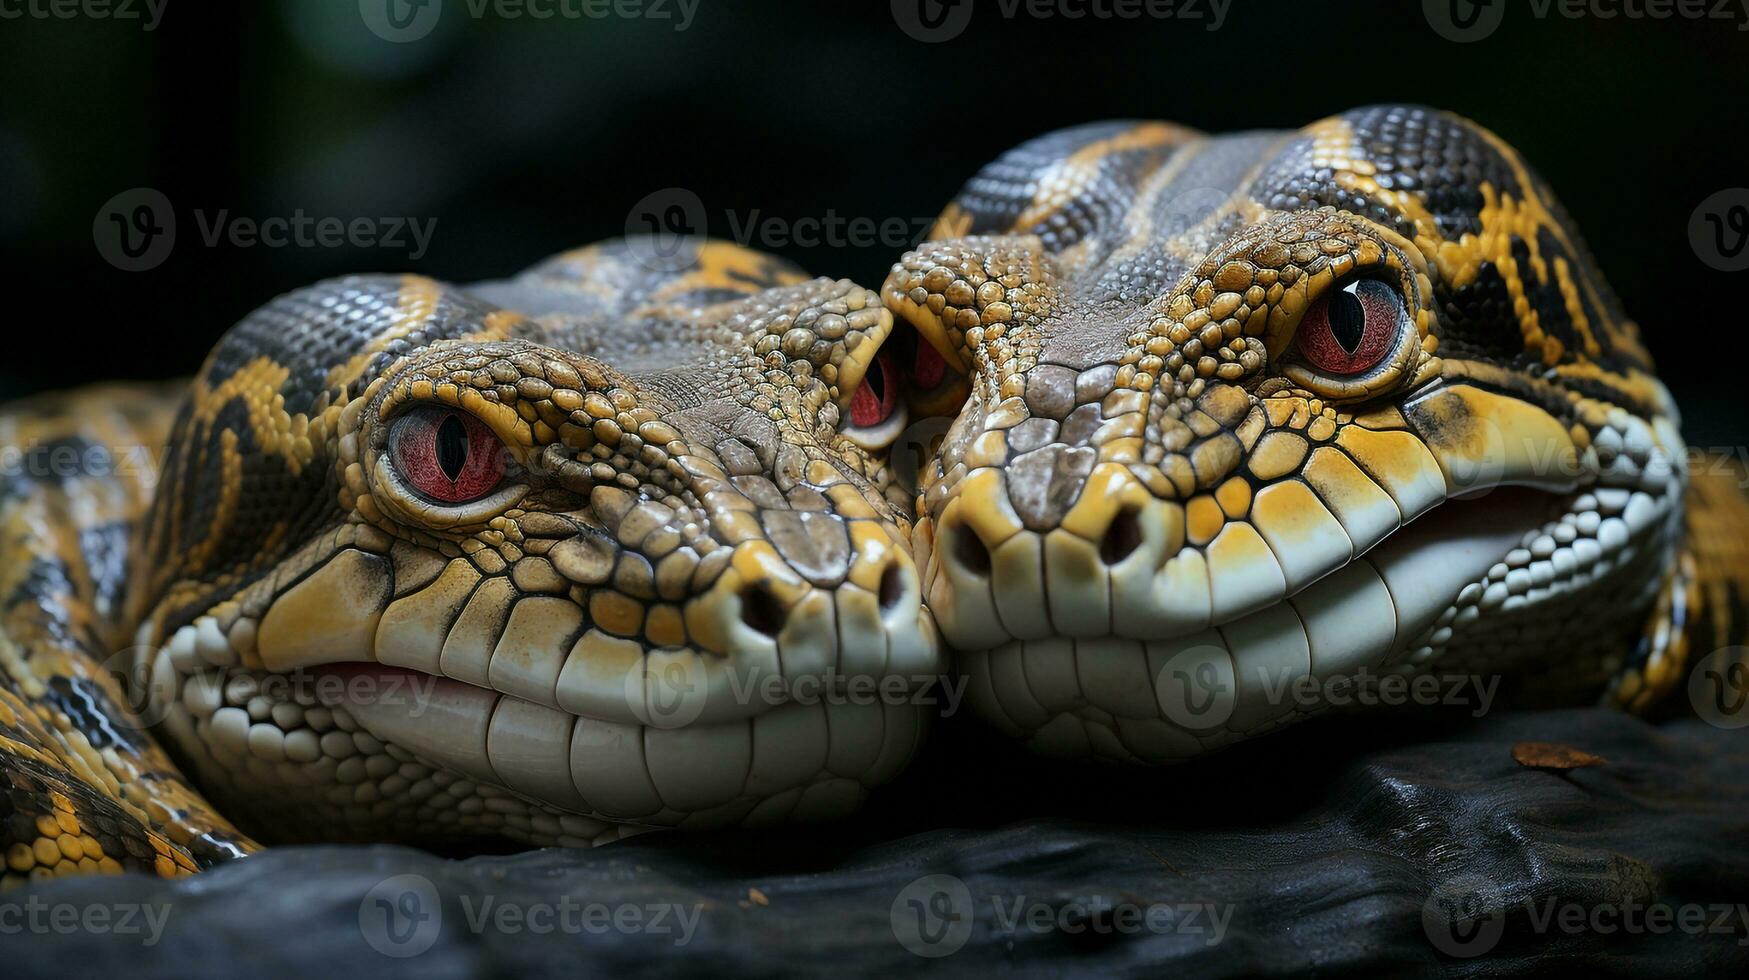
(553, 558)
(1257, 415)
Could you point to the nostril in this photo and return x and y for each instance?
(761, 610)
(969, 550)
(1122, 537)
(892, 586)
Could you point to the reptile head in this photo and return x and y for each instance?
(1252, 413)
(537, 557)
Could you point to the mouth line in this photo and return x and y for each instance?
(681, 772)
(1375, 612)
(771, 692)
(1467, 527)
(1414, 599)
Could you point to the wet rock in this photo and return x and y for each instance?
(1353, 845)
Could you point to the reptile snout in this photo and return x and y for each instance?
(1083, 510)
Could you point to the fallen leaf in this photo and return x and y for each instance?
(758, 897)
(1551, 755)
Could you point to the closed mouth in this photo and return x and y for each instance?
(1129, 675)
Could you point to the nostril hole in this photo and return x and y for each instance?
(1122, 537)
(892, 586)
(970, 551)
(760, 610)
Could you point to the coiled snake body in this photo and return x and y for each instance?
(1217, 416)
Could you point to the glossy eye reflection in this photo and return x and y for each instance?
(447, 455)
(1350, 330)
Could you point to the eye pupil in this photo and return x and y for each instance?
(1347, 320)
(1353, 329)
(452, 447)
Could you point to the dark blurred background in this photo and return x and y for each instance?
(824, 131)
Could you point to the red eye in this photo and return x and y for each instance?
(1351, 330)
(876, 397)
(447, 455)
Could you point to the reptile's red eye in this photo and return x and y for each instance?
(876, 397)
(1350, 330)
(447, 455)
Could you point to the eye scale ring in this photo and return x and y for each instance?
(1351, 330)
(446, 455)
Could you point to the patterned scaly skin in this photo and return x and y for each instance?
(82, 788)
(607, 643)
(1155, 520)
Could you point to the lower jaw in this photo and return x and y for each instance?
(1434, 595)
(369, 752)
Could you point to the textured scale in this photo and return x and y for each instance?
(1146, 491)
(1155, 512)
(559, 656)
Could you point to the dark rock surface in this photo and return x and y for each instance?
(1339, 847)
